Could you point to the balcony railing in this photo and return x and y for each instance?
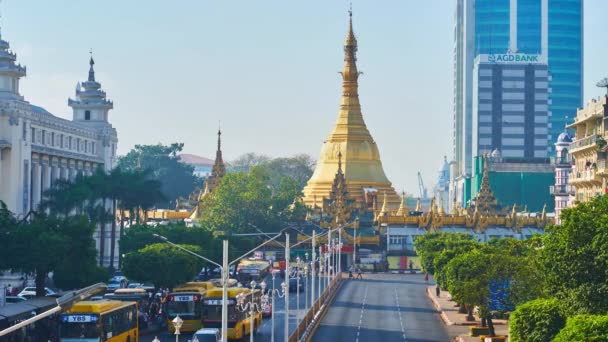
(584, 142)
(582, 176)
(561, 190)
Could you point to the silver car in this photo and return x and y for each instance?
(207, 335)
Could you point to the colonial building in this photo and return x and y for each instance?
(37, 148)
(350, 138)
(589, 150)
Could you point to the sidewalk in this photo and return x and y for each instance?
(456, 323)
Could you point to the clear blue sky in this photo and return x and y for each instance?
(267, 69)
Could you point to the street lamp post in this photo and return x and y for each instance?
(274, 292)
(306, 283)
(312, 271)
(287, 272)
(251, 312)
(321, 261)
(177, 324)
(299, 263)
(340, 251)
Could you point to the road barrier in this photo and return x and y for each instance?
(313, 317)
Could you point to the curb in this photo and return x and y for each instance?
(442, 314)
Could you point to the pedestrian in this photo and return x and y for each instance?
(359, 276)
(411, 266)
(437, 290)
(426, 276)
(9, 290)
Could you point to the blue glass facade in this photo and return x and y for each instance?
(491, 26)
(565, 62)
(529, 23)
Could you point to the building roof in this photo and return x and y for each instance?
(564, 137)
(193, 159)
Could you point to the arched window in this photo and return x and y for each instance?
(87, 115)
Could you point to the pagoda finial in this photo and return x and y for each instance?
(418, 205)
(219, 139)
(441, 208)
(402, 208)
(384, 205)
(454, 210)
(91, 70)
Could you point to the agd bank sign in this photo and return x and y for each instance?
(513, 58)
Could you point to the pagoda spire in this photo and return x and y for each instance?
(485, 200)
(219, 169)
(359, 157)
(91, 70)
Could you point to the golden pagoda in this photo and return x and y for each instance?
(351, 139)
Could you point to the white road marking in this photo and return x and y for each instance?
(361, 316)
(399, 311)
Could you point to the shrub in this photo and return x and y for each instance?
(584, 328)
(536, 321)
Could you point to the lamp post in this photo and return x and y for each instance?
(299, 267)
(274, 292)
(287, 272)
(321, 261)
(340, 251)
(312, 270)
(177, 324)
(306, 283)
(252, 306)
(155, 339)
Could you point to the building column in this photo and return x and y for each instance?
(36, 188)
(46, 176)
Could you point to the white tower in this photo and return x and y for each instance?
(564, 194)
(91, 107)
(10, 72)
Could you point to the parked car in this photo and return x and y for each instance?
(15, 299)
(31, 292)
(114, 285)
(208, 335)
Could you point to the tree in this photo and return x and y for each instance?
(140, 236)
(299, 168)
(470, 275)
(536, 321)
(452, 250)
(247, 161)
(164, 165)
(430, 246)
(8, 254)
(584, 328)
(52, 243)
(574, 258)
(162, 264)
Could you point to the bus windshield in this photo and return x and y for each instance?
(79, 330)
(185, 309)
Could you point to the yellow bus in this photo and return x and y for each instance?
(186, 300)
(102, 320)
(238, 321)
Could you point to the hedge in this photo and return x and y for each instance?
(536, 321)
(584, 328)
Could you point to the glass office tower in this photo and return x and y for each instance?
(551, 28)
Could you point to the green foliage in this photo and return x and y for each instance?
(452, 250)
(245, 199)
(584, 328)
(54, 243)
(176, 178)
(140, 236)
(7, 227)
(299, 167)
(162, 264)
(468, 277)
(574, 258)
(536, 321)
(430, 246)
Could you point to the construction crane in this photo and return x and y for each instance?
(421, 188)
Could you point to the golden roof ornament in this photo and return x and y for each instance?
(418, 205)
(219, 169)
(454, 210)
(485, 202)
(441, 208)
(402, 208)
(384, 211)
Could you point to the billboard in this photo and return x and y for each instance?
(512, 58)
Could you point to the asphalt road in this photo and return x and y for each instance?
(382, 307)
(265, 331)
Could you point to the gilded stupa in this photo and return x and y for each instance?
(351, 139)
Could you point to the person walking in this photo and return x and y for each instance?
(359, 276)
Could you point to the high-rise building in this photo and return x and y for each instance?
(549, 28)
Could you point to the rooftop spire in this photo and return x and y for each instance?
(91, 70)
